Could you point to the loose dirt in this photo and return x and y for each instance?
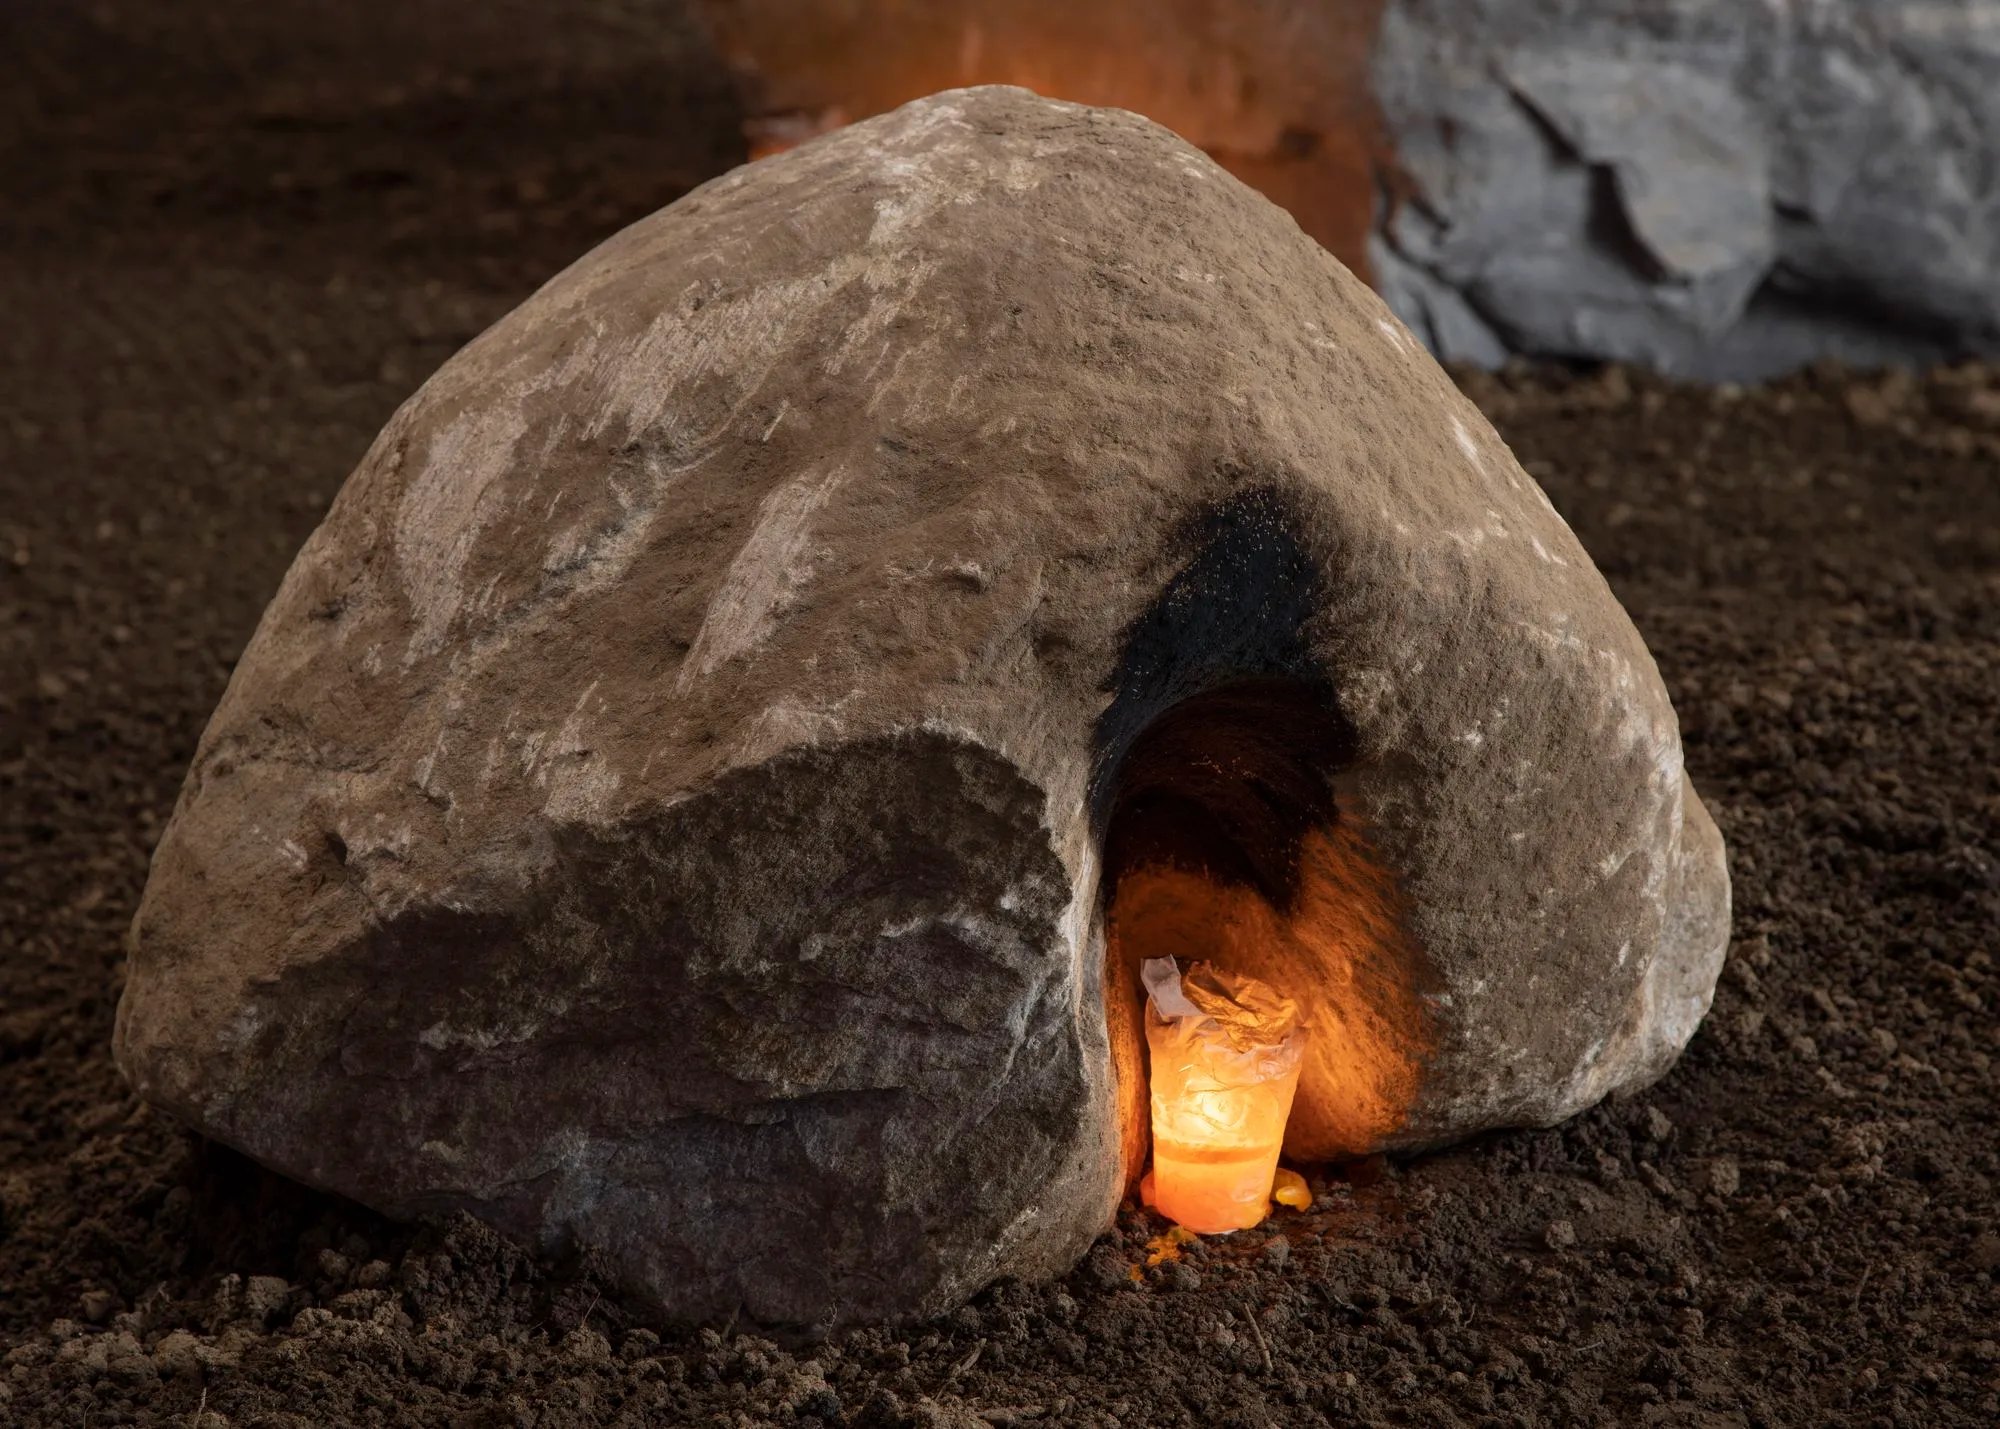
(232, 241)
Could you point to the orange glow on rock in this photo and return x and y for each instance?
(1339, 952)
(1275, 90)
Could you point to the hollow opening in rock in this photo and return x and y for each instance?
(1227, 844)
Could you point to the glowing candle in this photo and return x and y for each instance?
(1225, 1054)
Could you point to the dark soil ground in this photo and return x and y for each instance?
(232, 238)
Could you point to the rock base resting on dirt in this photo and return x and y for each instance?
(696, 796)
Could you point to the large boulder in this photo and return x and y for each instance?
(676, 802)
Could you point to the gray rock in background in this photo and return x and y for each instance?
(1715, 188)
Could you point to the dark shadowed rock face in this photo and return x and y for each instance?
(676, 803)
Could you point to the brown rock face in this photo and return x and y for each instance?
(702, 791)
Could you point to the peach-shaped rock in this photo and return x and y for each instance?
(703, 792)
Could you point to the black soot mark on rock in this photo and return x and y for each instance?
(1224, 727)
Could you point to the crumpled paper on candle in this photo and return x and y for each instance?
(1259, 1023)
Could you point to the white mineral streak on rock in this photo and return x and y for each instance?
(767, 572)
(1465, 444)
(442, 512)
(786, 725)
(427, 765)
(739, 336)
(1398, 335)
(931, 165)
(579, 779)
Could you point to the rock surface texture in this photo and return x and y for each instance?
(1716, 189)
(665, 810)
(1707, 187)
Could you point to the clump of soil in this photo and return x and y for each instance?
(230, 250)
